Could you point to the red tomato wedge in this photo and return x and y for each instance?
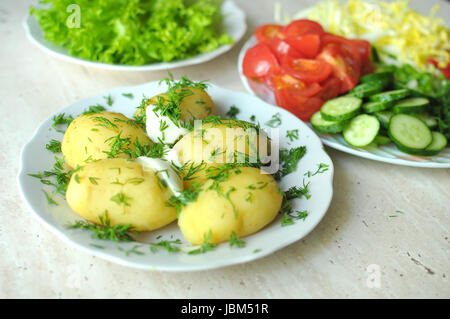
(286, 81)
(364, 49)
(301, 27)
(445, 71)
(259, 61)
(307, 70)
(308, 45)
(281, 48)
(345, 68)
(301, 106)
(330, 89)
(267, 32)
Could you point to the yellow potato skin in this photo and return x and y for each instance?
(86, 139)
(92, 188)
(245, 211)
(219, 143)
(198, 105)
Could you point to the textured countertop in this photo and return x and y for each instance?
(383, 217)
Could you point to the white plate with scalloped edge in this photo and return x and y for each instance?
(234, 23)
(388, 153)
(35, 157)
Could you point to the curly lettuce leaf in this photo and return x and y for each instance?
(134, 32)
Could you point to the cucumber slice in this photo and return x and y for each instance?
(381, 140)
(384, 117)
(341, 108)
(371, 107)
(429, 120)
(325, 126)
(384, 77)
(362, 130)
(411, 105)
(409, 133)
(438, 144)
(390, 96)
(366, 89)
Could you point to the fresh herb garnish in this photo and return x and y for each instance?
(61, 119)
(292, 134)
(54, 146)
(167, 245)
(94, 109)
(206, 245)
(50, 200)
(275, 121)
(109, 100)
(104, 230)
(320, 169)
(132, 250)
(232, 112)
(289, 159)
(128, 95)
(186, 196)
(121, 199)
(236, 241)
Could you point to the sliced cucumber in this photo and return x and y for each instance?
(381, 140)
(341, 108)
(371, 107)
(362, 130)
(411, 105)
(438, 144)
(409, 133)
(390, 96)
(366, 89)
(384, 117)
(325, 126)
(384, 77)
(429, 120)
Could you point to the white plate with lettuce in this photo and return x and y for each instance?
(151, 251)
(137, 50)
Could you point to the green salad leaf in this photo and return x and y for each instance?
(133, 32)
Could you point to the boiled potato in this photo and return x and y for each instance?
(243, 203)
(197, 104)
(222, 141)
(89, 137)
(130, 194)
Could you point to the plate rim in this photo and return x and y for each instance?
(337, 146)
(21, 175)
(194, 60)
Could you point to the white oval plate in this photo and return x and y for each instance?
(35, 157)
(234, 21)
(385, 153)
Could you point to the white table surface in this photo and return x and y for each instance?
(412, 250)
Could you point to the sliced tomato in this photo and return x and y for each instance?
(364, 49)
(445, 71)
(259, 61)
(301, 106)
(301, 27)
(281, 48)
(344, 65)
(330, 89)
(266, 32)
(307, 70)
(286, 81)
(308, 45)
(367, 68)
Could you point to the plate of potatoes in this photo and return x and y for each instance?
(176, 175)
